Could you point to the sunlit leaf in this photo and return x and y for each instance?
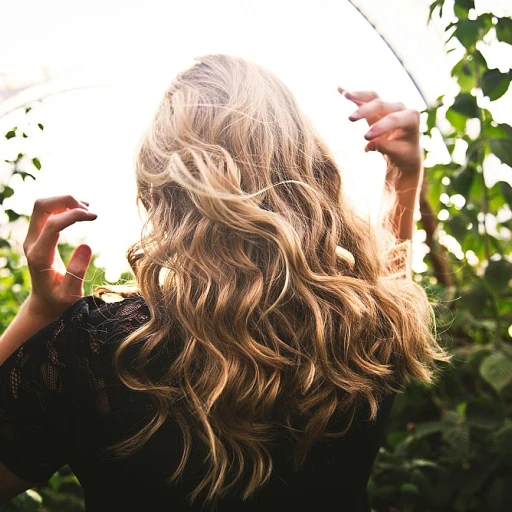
(37, 163)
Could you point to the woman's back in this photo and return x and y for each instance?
(79, 409)
(275, 326)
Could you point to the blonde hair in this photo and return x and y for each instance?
(282, 295)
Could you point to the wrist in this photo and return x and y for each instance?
(39, 310)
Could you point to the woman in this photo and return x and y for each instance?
(256, 364)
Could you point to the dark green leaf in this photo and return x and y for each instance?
(465, 104)
(495, 83)
(506, 190)
(465, 4)
(433, 6)
(462, 181)
(475, 297)
(10, 134)
(457, 226)
(502, 148)
(41, 127)
(498, 274)
(467, 32)
(6, 192)
(12, 215)
(503, 443)
(25, 175)
(497, 370)
(37, 163)
(27, 109)
(504, 30)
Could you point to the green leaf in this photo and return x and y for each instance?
(409, 488)
(475, 297)
(502, 148)
(457, 226)
(428, 428)
(461, 181)
(6, 192)
(41, 127)
(467, 32)
(504, 30)
(462, 8)
(498, 274)
(37, 163)
(433, 6)
(495, 83)
(458, 121)
(466, 77)
(503, 443)
(10, 134)
(506, 190)
(465, 4)
(4, 244)
(497, 370)
(12, 215)
(465, 104)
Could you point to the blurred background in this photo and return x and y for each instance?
(79, 83)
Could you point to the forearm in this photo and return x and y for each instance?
(25, 324)
(407, 187)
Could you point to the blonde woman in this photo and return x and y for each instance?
(255, 365)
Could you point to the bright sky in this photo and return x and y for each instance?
(125, 53)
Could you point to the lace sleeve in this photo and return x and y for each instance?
(34, 429)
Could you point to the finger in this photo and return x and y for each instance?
(72, 284)
(43, 208)
(376, 109)
(41, 254)
(407, 120)
(358, 97)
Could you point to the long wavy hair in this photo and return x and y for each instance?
(287, 302)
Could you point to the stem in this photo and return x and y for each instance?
(437, 254)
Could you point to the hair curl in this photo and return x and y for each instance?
(284, 298)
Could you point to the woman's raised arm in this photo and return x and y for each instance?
(394, 132)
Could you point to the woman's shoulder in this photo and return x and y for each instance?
(104, 314)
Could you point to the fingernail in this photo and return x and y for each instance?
(355, 116)
(369, 135)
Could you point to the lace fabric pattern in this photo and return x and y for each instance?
(64, 364)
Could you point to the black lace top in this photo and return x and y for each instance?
(60, 403)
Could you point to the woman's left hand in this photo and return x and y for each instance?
(394, 131)
(55, 287)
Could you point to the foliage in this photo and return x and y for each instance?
(449, 448)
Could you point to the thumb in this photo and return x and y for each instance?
(72, 283)
(382, 146)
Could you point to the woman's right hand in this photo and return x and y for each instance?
(55, 287)
(394, 131)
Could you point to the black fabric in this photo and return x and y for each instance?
(60, 403)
